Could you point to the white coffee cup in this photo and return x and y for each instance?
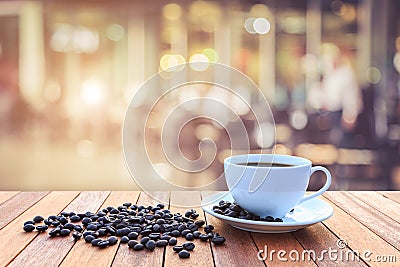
(271, 190)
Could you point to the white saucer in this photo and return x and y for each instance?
(308, 213)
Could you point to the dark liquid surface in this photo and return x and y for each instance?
(264, 164)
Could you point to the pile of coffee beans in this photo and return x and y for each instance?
(137, 226)
(233, 210)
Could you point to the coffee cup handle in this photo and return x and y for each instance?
(324, 188)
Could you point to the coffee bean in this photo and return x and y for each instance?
(269, 219)
(47, 222)
(204, 237)
(55, 223)
(38, 219)
(278, 220)
(54, 232)
(102, 232)
(103, 244)
(91, 227)
(65, 213)
(162, 243)
(69, 226)
(177, 248)
(86, 221)
(175, 233)
(42, 228)
(144, 240)
(184, 254)
(185, 232)
(29, 227)
(96, 241)
(218, 240)
(232, 213)
(193, 227)
(172, 241)
(133, 235)
(65, 232)
(132, 243)
(124, 239)
(127, 204)
(29, 222)
(200, 223)
(123, 231)
(78, 228)
(88, 233)
(138, 247)
(77, 235)
(112, 240)
(89, 238)
(196, 234)
(188, 246)
(75, 218)
(146, 232)
(62, 219)
(154, 236)
(189, 237)
(208, 228)
(111, 230)
(150, 245)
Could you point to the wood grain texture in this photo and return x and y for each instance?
(277, 242)
(358, 237)
(128, 257)
(201, 255)
(238, 248)
(82, 253)
(6, 195)
(14, 239)
(393, 195)
(16, 205)
(50, 251)
(317, 238)
(380, 224)
(379, 202)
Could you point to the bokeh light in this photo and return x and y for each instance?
(115, 32)
(172, 11)
(261, 25)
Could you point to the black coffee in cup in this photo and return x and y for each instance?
(265, 164)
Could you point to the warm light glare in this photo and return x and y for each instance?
(248, 25)
(261, 25)
(298, 119)
(115, 32)
(199, 62)
(92, 92)
(172, 11)
(168, 61)
(373, 75)
(211, 54)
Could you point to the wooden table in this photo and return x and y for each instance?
(369, 222)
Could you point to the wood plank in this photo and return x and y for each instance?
(13, 207)
(82, 253)
(50, 251)
(6, 195)
(379, 202)
(358, 237)
(238, 248)
(380, 224)
(181, 201)
(277, 242)
(128, 257)
(319, 240)
(393, 195)
(14, 239)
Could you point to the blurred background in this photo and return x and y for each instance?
(68, 69)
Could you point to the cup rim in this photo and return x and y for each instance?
(274, 157)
